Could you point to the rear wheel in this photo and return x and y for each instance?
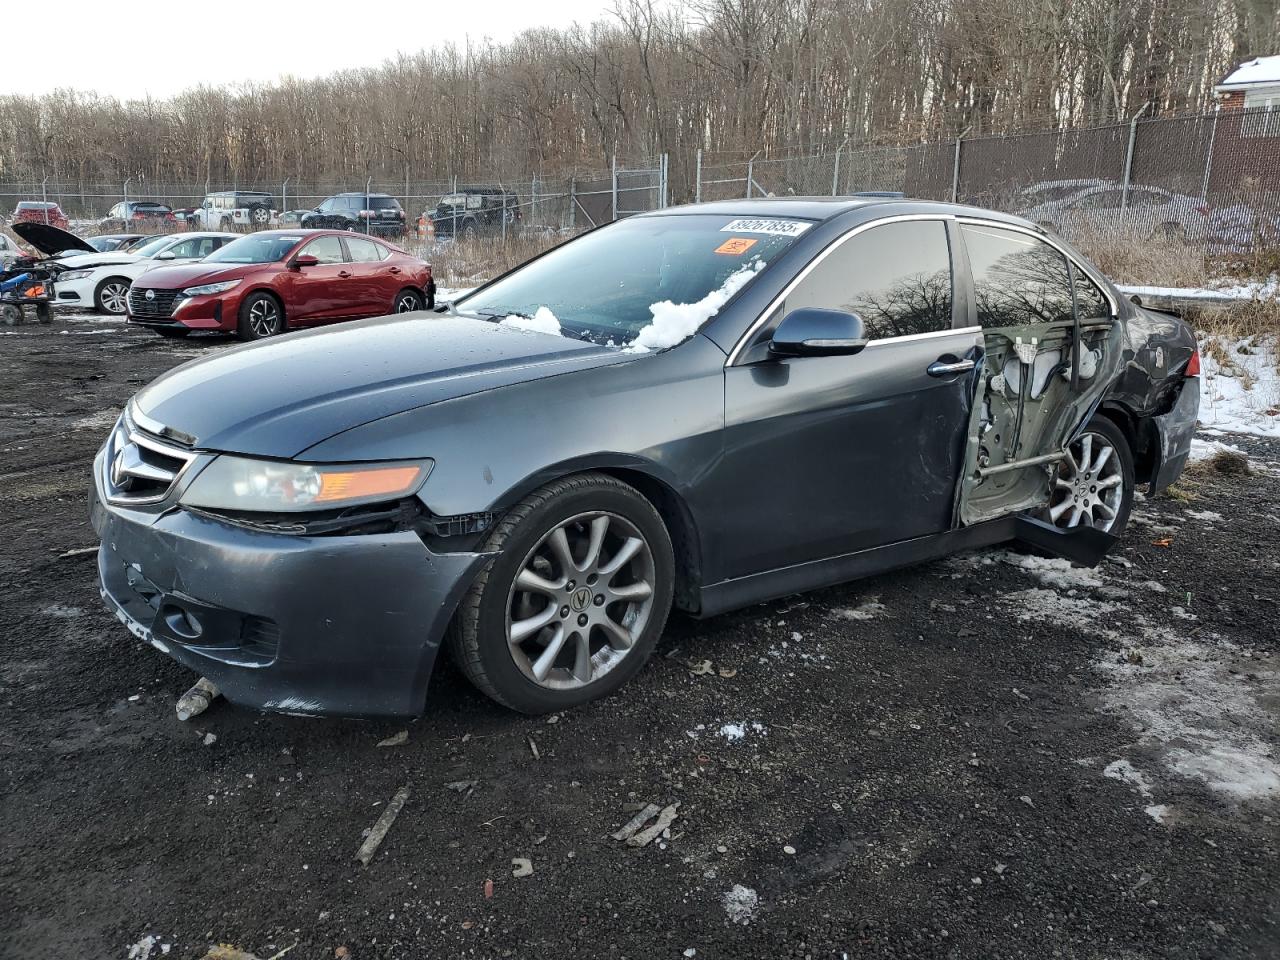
(260, 216)
(12, 315)
(260, 316)
(112, 295)
(408, 301)
(44, 313)
(575, 600)
(1093, 487)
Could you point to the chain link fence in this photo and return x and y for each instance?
(1211, 180)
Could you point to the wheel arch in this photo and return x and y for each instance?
(1139, 433)
(682, 526)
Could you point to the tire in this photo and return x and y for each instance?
(261, 316)
(259, 216)
(12, 314)
(1081, 497)
(173, 333)
(44, 313)
(407, 301)
(493, 606)
(468, 231)
(112, 296)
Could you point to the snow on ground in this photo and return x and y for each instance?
(1240, 385)
(741, 903)
(674, 322)
(1215, 290)
(1204, 449)
(452, 293)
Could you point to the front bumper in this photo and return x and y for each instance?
(216, 311)
(1175, 431)
(75, 292)
(345, 625)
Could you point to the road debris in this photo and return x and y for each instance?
(210, 739)
(462, 786)
(488, 889)
(728, 673)
(647, 813)
(521, 867)
(395, 740)
(664, 821)
(196, 700)
(534, 747)
(380, 828)
(77, 552)
(740, 903)
(701, 668)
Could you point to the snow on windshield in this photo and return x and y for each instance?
(542, 321)
(675, 322)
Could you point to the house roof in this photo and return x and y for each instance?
(1258, 72)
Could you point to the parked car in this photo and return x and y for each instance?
(40, 211)
(475, 211)
(107, 242)
(375, 213)
(234, 208)
(293, 218)
(708, 406)
(1148, 211)
(266, 282)
(135, 213)
(101, 281)
(9, 251)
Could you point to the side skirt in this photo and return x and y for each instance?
(1083, 545)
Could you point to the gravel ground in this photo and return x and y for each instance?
(994, 755)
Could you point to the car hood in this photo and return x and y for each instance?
(48, 239)
(177, 276)
(110, 257)
(281, 396)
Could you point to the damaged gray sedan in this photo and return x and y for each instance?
(703, 407)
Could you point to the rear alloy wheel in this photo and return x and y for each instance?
(575, 601)
(260, 215)
(1094, 484)
(407, 301)
(260, 316)
(112, 296)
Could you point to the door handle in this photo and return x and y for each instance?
(395, 269)
(944, 368)
(343, 273)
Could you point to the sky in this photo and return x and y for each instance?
(149, 48)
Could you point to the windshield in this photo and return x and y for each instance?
(255, 248)
(103, 244)
(649, 282)
(152, 247)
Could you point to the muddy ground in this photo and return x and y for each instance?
(989, 756)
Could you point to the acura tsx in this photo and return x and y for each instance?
(702, 408)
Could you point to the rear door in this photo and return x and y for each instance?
(322, 292)
(831, 455)
(371, 278)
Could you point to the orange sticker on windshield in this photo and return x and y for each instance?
(735, 246)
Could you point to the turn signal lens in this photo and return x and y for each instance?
(1193, 365)
(360, 484)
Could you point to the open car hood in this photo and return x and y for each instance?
(50, 240)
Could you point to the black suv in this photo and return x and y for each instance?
(359, 212)
(472, 211)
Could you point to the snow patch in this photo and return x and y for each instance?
(869, 609)
(1126, 772)
(739, 731)
(741, 903)
(542, 321)
(675, 322)
(62, 611)
(1240, 386)
(1053, 572)
(1204, 449)
(1208, 516)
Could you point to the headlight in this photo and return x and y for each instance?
(74, 274)
(268, 486)
(206, 288)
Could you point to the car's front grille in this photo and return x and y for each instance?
(151, 303)
(139, 467)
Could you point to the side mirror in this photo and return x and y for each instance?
(815, 332)
(303, 260)
(167, 255)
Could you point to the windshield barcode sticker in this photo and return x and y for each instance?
(781, 228)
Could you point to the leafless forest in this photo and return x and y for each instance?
(731, 77)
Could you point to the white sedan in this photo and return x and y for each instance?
(101, 280)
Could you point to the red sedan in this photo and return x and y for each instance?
(40, 211)
(268, 282)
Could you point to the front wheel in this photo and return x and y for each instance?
(1093, 486)
(112, 296)
(260, 316)
(575, 600)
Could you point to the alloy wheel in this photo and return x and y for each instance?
(1089, 487)
(407, 303)
(264, 317)
(581, 600)
(115, 297)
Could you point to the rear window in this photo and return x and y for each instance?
(36, 205)
(383, 203)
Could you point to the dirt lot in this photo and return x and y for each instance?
(990, 756)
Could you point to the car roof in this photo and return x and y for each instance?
(361, 193)
(828, 208)
(238, 193)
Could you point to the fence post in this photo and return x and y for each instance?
(955, 169)
(126, 191)
(662, 198)
(1128, 161)
(1208, 160)
(284, 195)
(835, 173)
(614, 190)
(750, 177)
(573, 204)
(44, 195)
(697, 189)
